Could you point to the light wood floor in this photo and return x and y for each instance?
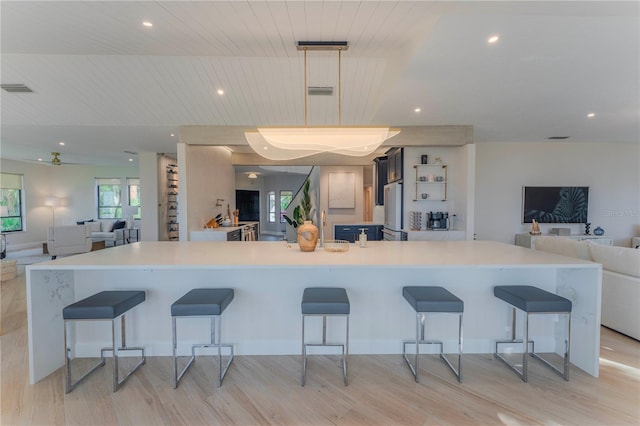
(266, 390)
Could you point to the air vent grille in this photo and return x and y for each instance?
(15, 88)
(320, 91)
(558, 137)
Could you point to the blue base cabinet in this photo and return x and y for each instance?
(350, 232)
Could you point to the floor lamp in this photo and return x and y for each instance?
(52, 202)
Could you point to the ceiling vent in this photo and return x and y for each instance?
(15, 88)
(320, 91)
(558, 137)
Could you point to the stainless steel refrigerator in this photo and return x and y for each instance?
(393, 212)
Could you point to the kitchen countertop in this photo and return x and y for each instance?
(218, 254)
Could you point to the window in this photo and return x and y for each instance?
(11, 202)
(134, 196)
(109, 204)
(271, 207)
(285, 200)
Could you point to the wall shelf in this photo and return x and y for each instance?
(431, 179)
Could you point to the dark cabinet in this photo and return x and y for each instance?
(234, 235)
(351, 232)
(381, 179)
(395, 164)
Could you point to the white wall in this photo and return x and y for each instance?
(73, 184)
(459, 195)
(205, 174)
(341, 216)
(611, 171)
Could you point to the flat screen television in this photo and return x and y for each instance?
(555, 204)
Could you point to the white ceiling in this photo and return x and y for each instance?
(104, 84)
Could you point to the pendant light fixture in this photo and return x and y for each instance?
(288, 143)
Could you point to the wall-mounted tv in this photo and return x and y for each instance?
(555, 204)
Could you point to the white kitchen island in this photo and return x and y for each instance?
(269, 278)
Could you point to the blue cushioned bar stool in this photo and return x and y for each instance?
(533, 300)
(202, 303)
(432, 300)
(103, 306)
(325, 302)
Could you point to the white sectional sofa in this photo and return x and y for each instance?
(620, 279)
(101, 230)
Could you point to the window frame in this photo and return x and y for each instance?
(18, 181)
(271, 207)
(283, 209)
(100, 182)
(131, 183)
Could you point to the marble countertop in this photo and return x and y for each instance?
(272, 254)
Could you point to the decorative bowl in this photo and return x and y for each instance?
(336, 246)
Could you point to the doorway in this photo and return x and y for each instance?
(248, 203)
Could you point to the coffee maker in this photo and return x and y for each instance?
(438, 221)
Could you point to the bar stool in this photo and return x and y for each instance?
(103, 306)
(202, 303)
(325, 302)
(434, 300)
(532, 300)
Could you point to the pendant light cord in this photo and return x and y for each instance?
(305, 86)
(339, 86)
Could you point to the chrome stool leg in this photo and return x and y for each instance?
(214, 343)
(344, 346)
(523, 373)
(420, 340)
(117, 382)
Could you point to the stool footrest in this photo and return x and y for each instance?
(456, 372)
(71, 385)
(192, 358)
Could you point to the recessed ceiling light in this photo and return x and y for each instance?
(220, 92)
(147, 24)
(61, 143)
(39, 159)
(591, 114)
(172, 135)
(130, 159)
(493, 39)
(417, 110)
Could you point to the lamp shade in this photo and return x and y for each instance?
(51, 201)
(287, 143)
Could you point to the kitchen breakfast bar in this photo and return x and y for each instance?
(269, 278)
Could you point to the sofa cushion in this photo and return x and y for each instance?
(95, 226)
(622, 260)
(564, 247)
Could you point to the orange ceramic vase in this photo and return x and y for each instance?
(307, 236)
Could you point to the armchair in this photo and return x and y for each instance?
(72, 239)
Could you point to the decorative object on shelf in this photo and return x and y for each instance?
(598, 231)
(535, 228)
(424, 159)
(287, 143)
(424, 195)
(587, 228)
(438, 160)
(422, 178)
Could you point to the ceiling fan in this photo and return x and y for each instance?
(56, 159)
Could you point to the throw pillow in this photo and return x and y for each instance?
(80, 222)
(119, 224)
